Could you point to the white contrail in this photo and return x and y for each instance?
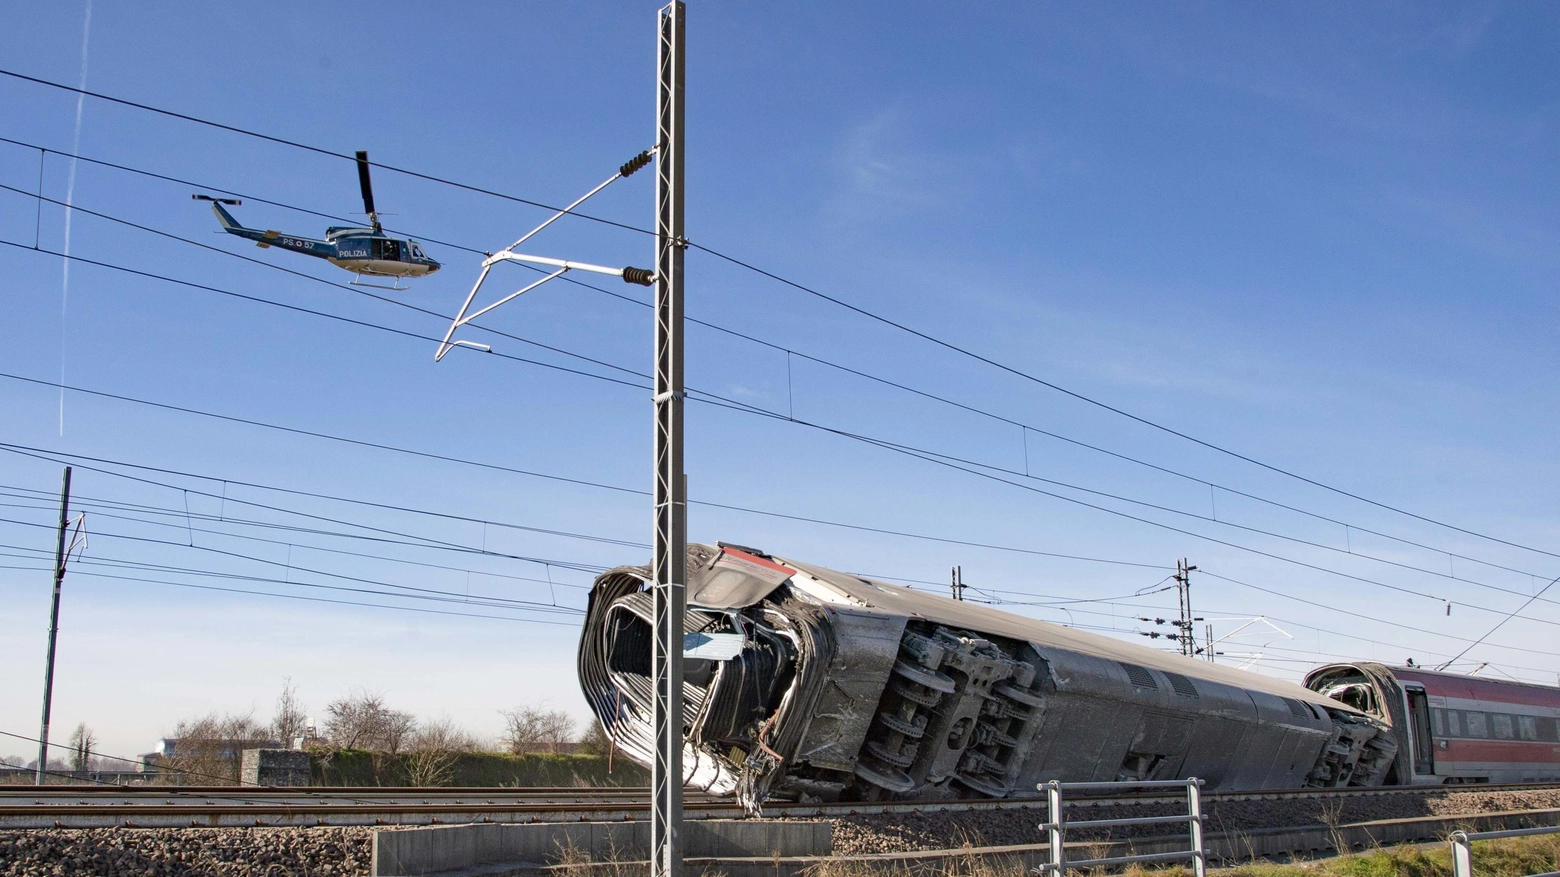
(70, 194)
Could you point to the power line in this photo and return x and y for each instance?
(758, 341)
(44, 454)
(924, 454)
(413, 592)
(810, 291)
(175, 513)
(318, 150)
(896, 448)
(963, 351)
(329, 600)
(1065, 604)
(1338, 610)
(944, 461)
(747, 408)
(1502, 622)
(306, 276)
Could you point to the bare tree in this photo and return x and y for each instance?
(433, 750)
(530, 729)
(207, 750)
(363, 721)
(82, 742)
(290, 722)
(594, 740)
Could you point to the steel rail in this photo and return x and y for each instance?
(218, 806)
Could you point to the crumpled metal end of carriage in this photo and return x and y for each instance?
(804, 683)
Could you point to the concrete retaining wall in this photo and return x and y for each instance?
(273, 767)
(421, 851)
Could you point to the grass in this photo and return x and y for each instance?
(1514, 857)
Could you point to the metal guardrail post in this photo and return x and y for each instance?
(1462, 855)
(1055, 830)
(1195, 826)
(1462, 846)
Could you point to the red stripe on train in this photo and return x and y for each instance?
(1467, 687)
(1499, 750)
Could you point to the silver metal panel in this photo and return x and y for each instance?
(900, 600)
(868, 645)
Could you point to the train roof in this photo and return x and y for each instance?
(902, 600)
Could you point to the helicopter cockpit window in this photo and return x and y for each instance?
(417, 252)
(387, 250)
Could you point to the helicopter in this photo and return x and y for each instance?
(359, 250)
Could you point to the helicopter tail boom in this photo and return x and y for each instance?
(229, 224)
(272, 238)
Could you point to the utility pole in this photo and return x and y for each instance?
(1186, 625)
(54, 629)
(670, 558)
(958, 583)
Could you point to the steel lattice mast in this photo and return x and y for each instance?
(670, 561)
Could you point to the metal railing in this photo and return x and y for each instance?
(1462, 849)
(1056, 828)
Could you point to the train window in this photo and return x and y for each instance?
(1438, 718)
(1502, 726)
(1476, 724)
(1527, 727)
(1453, 724)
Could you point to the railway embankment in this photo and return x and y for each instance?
(898, 841)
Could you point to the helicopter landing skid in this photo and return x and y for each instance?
(361, 282)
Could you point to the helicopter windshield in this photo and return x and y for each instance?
(417, 252)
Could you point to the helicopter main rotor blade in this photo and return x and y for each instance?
(367, 187)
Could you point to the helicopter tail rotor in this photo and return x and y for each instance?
(368, 190)
(230, 201)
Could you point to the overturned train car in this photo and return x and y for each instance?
(806, 683)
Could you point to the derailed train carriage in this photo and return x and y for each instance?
(806, 683)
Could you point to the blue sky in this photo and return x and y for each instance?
(1320, 236)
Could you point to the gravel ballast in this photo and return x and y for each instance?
(335, 852)
(886, 833)
(176, 852)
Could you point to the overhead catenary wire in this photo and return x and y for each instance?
(896, 448)
(1212, 485)
(316, 149)
(720, 402)
(947, 459)
(1063, 604)
(96, 506)
(408, 591)
(899, 326)
(1201, 537)
(84, 459)
(1502, 623)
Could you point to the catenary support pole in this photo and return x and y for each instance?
(54, 629)
(670, 560)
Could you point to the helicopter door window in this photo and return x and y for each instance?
(417, 252)
(387, 250)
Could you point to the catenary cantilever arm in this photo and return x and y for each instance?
(641, 276)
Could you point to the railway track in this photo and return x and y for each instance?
(227, 806)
